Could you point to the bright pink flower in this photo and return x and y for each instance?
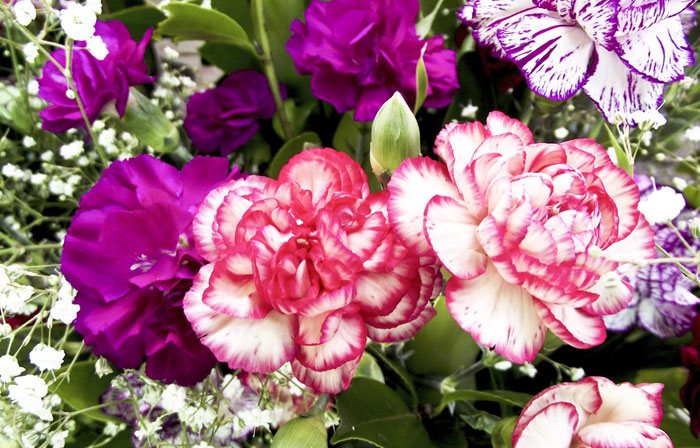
(304, 269)
(593, 413)
(532, 233)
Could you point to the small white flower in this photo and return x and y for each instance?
(469, 111)
(95, 5)
(72, 150)
(5, 330)
(202, 445)
(561, 133)
(206, 4)
(58, 439)
(28, 392)
(13, 172)
(82, 161)
(38, 179)
(528, 369)
(31, 52)
(98, 125)
(97, 47)
(46, 156)
(33, 87)
(28, 141)
(102, 367)
(70, 94)
(46, 358)
(687, 82)
(78, 21)
(503, 365)
(648, 119)
(24, 11)
(14, 298)
(256, 417)
(107, 137)
(112, 429)
(9, 368)
(646, 138)
(662, 205)
(197, 417)
(147, 429)
(693, 134)
(64, 311)
(174, 398)
(680, 183)
(576, 373)
(170, 53)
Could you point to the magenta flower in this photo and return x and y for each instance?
(594, 412)
(129, 253)
(226, 117)
(530, 232)
(621, 53)
(304, 269)
(360, 52)
(99, 83)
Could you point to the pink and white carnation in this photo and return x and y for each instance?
(304, 269)
(621, 52)
(593, 413)
(532, 233)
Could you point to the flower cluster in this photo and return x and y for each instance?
(541, 230)
(129, 253)
(304, 269)
(620, 53)
(370, 52)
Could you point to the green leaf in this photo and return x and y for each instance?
(371, 412)
(507, 397)
(296, 115)
(83, 389)
(369, 368)
(191, 22)
(229, 58)
(394, 373)
(351, 136)
(148, 123)
(138, 19)
(14, 111)
(279, 15)
(309, 432)
(692, 195)
(424, 26)
(290, 149)
(421, 81)
(238, 10)
(622, 160)
(441, 347)
(502, 434)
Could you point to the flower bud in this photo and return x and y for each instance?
(695, 227)
(395, 137)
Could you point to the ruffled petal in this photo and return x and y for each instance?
(329, 381)
(553, 427)
(575, 327)
(346, 344)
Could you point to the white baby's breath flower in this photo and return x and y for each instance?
(27, 393)
(14, 298)
(70, 94)
(561, 133)
(58, 439)
(662, 205)
(33, 87)
(174, 398)
(503, 365)
(46, 358)
(528, 369)
(147, 429)
(469, 111)
(95, 5)
(648, 119)
(680, 183)
(576, 373)
(256, 417)
(102, 367)
(24, 11)
(72, 150)
(9, 368)
(97, 47)
(38, 179)
(202, 445)
(28, 141)
(107, 137)
(46, 156)
(693, 134)
(30, 51)
(65, 311)
(78, 21)
(5, 329)
(13, 172)
(170, 53)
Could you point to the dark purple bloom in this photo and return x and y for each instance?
(662, 302)
(690, 392)
(99, 83)
(226, 117)
(359, 52)
(129, 253)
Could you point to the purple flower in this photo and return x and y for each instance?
(129, 253)
(620, 52)
(99, 83)
(226, 117)
(662, 301)
(359, 52)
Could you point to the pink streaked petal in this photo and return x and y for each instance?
(490, 237)
(627, 403)
(329, 381)
(589, 146)
(615, 89)
(561, 232)
(660, 52)
(255, 345)
(614, 295)
(318, 329)
(403, 331)
(329, 301)
(618, 435)
(540, 156)
(499, 123)
(379, 292)
(575, 327)
(365, 240)
(477, 179)
(553, 54)
(497, 314)
(412, 186)
(346, 344)
(409, 304)
(539, 243)
(504, 144)
(625, 193)
(583, 395)
(234, 295)
(546, 284)
(552, 427)
(638, 245)
(451, 232)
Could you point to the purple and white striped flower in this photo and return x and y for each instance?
(620, 52)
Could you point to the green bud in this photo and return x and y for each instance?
(395, 137)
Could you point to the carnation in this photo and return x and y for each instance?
(370, 52)
(532, 233)
(303, 270)
(690, 392)
(130, 255)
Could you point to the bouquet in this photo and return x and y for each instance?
(346, 223)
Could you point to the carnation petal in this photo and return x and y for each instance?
(379, 292)
(402, 331)
(497, 314)
(622, 435)
(614, 294)
(638, 245)
(553, 427)
(329, 381)
(627, 402)
(625, 193)
(451, 232)
(575, 327)
(412, 186)
(553, 55)
(314, 330)
(346, 344)
(499, 123)
(234, 295)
